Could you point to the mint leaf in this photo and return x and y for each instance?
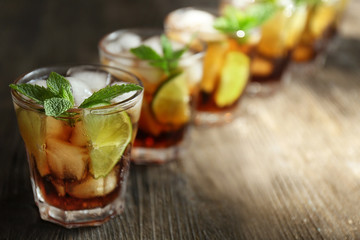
(35, 92)
(235, 19)
(146, 53)
(168, 62)
(162, 64)
(60, 86)
(56, 106)
(308, 2)
(105, 95)
(166, 47)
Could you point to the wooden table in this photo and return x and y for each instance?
(287, 168)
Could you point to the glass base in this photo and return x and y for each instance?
(141, 155)
(80, 218)
(262, 89)
(214, 118)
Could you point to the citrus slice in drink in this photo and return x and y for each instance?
(33, 134)
(295, 26)
(170, 104)
(109, 134)
(322, 18)
(233, 80)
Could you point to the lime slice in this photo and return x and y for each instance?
(234, 76)
(109, 136)
(170, 104)
(33, 134)
(295, 26)
(323, 17)
(273, 33)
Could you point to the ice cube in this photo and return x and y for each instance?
(78, 135)
(185, 23)
(80, 90)
(65, 160)
(91, 187)
(134, 111)
(123, 96)
(59, 186)
(178, 46)
(155, 43)
(191, 19)
(40, 82)
(95, 80)
(57, 129)
(113, 47)
(125, 61)
(195, 73)
(150, 76)
(128, 40)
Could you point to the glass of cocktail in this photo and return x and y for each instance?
(78, 124)
(279, 35)
(321, 27)
(231, 40)
(171, 72)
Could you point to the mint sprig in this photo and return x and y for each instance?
(234, 19)
(60, 86)
(57, 94)
(168, 62)
(57, 97)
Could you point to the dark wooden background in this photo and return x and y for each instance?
(287, 168)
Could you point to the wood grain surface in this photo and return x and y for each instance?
(287, 168)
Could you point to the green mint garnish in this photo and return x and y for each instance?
(307, 2)
(57, 97)
(168, 62)
(104, 96)
(54, 107)
(58, 94)
(234, 19)
(60, 86)
(35, 92)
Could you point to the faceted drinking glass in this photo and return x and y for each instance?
(226, 63)
(168, 104)
(79, 163)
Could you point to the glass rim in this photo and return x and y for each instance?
(27, 103)
(209, 10)
(156, 32)
(205, 34)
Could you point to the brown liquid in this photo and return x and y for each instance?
(206, 103)
(268, 69)
(206, 100)
(310, 46)
(153, 134)
(67, 202)
(163, 140)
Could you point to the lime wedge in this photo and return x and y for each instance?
(109, 136)
(295, 26)
(234, 76)
(323, 17)
(170, 104)
(33, 134)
